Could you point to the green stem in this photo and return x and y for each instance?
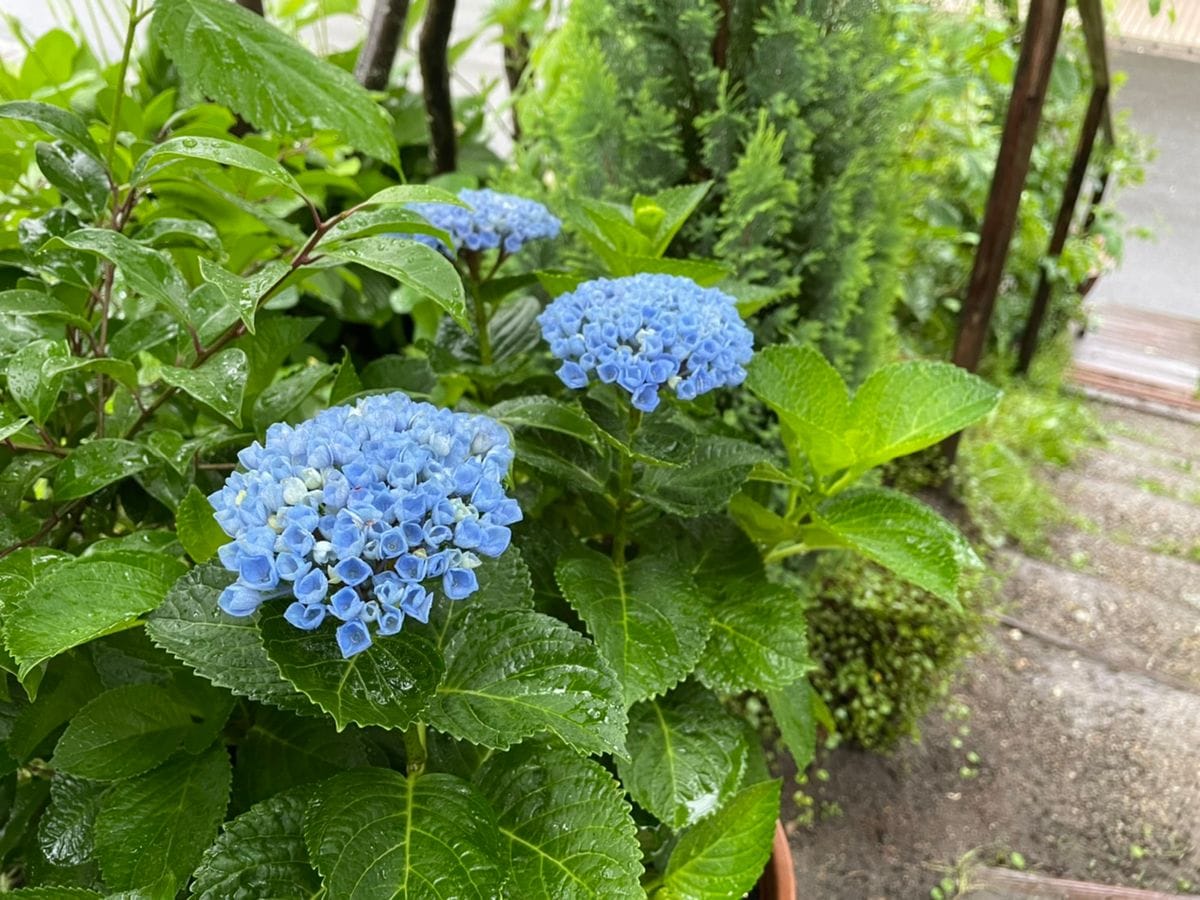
(783, 551)
(481, 328)
(414, 749)
(624, 500)
(119, 94)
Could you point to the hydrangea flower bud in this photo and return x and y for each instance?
(361, 512)
(644, 332)
(494, 221)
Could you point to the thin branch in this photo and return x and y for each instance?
(435, 78)
(378, 52)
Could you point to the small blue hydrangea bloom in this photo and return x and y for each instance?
(493, 221)
(356, 515)
(646, 331)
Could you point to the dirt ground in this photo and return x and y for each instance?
(1071, 745)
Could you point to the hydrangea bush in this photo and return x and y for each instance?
(432, 624)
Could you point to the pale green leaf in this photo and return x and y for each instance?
(53, 120)
(792, 707)
(198, 530)
(212, 149)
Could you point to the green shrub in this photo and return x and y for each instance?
(885, 650)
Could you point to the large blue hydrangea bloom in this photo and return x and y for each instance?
(361, 511)
(494, 221)
(646, 331)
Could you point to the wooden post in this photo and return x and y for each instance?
(255, 6)
(374, 63)
(435, 78)
(1042, 28)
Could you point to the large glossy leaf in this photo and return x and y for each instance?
(418, 266)
(723, 855)
(123, 732)
(65, 832)
(219, 383)
(792, 707)
(260, 854)
(159, 824)
(77, 600)
(900, 534)
(647, 618)
(515, 673)
(78, 177)
(547, 414)
(376, 833)
(758, 639)
(53, 120)
(715, 472)
(389, 684)
(908, 406)
(96, 464)
(211, 149)
(214, 44)
(198, 531)
(686, 755)
(565, 823)
(225, 650)
(810, 399)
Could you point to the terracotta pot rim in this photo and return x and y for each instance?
(778, 881)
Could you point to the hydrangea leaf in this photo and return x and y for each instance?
(96, 464)
(811, 400)
(212, 149)
(647, 617)
(515, 673)
(566, 825)
(65, 830)
(77, 600)
(567, 459)
(898, 532)
(219, 383)
(792, 707)
(415, 265)
(547, 414)
(389, 684)
(723, 855)
(68, 685)
(214, 44)
(198, 531)
(346, 382)
(715, 472)
(280, 751)
(158, 824)
(758, 640)
(260, 854)
(281, 399)
(905, 407)
(375, 832)
(227, 651)
(686, 755)
(123, 732)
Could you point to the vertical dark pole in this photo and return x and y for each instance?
(255, 6)
(1012, 165)
(435, 76)
(374, 63)
(1062, 225)
(516, 61)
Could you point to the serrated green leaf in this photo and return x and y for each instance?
(65, 830)
(686, 755)
(198, 530)
(281, 751)
(547, 414)
(212, 149)
(77, 600)
(898, 532)
(260, 854)
(123, 732)
(68, 686)
(389, 684)
(78, 176)
(346, 383)
(648, 618)
(96, 464)
(908, 406)
(811, 400)
(415, 265)
(792, 707)
(147, 272)
(514, 673)
(215, 44)
(758, 641)
(158, 824)
(34, 392)
(220, 383)
(222, 649)
(55, 121)
(566, 825)
(715, 472)
(723, 855)
(374, 832)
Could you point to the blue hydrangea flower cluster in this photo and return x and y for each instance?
(646, 331)
(357, 513)
(494, 221)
